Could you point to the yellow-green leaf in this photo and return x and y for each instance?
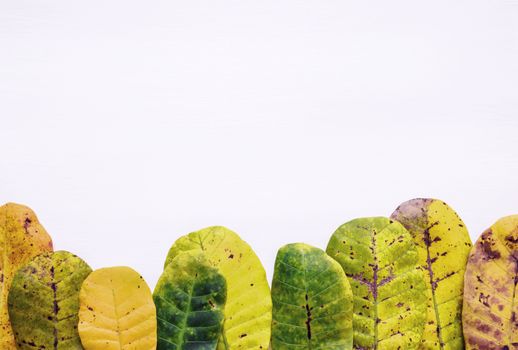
(190, 297)
(22, 237)
(443, 244)
(116, 311)
(490, 310)
(248, 309)
(312, 301)
(44, 302)
(380, 259)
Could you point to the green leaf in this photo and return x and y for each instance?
(44, 302)
(22, 237)
(443, 244)
(189, 298)
(248, 309)
(381, 262)
(312, 301)
(490, 310)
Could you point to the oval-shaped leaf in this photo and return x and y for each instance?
(248, 310)
(44, 302)
(21, 238)
(490, 310)
(190, 297)
(443, 245)
(380, 259)
(312, 301)
(116, 311)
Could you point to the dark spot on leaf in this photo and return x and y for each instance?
(484, 299)
(487, 247)
(26, 225)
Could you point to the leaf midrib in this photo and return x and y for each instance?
(428, 243)
(375, 286)
(510, 333)
(53, 286)
(201, 240)
(308, 309)
(116, 312)
(187, 312)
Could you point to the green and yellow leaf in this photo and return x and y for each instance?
(189, 297)
(381, 261)
(116, 311)
(490, 310)
(22, 237)
(248, 310)
(44, 302)
(312, 301)
(443, 244)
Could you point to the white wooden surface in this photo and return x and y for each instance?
(125, 124)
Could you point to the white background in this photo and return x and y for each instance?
(127, 124)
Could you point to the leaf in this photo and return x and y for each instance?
(116, 311)
(248, 310)
(380, 260)
(312, 301)
(490, 309)
(21, 237)
(443, 244)
(190, 297)
(44, 302)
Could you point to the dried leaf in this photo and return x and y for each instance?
(21, 237)
(490, 310)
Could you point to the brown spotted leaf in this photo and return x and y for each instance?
(490, 311)
(44, 302)
(21, 238)
(380, 259)
(443, 244)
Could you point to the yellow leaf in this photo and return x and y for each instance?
(248, 309)
(21, 238)
(443, 244)
(116, 311)
(490, 310)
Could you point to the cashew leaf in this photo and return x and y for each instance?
(248, 309)
(490, 309)
(189, 297)
(44, 302)
(312, 301)
(381, 261)
(21, 238)
(443, 244)
(116, 311)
